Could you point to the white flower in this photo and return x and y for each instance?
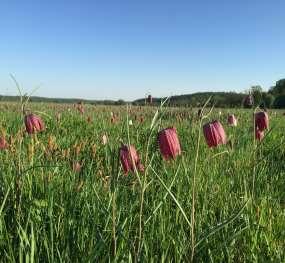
(104, 139)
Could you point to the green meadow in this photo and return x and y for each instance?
(223, 204)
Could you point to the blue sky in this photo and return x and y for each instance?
(127, 48)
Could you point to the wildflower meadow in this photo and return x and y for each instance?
(87, 183)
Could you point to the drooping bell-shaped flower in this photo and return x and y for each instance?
(33, 123)
(248, 101)
(214, 133)
(130, 159)
(80, 107)
(232, 120)
(169, 144)
(259, 135)
(261, 121)
(113, 120)
(3, 143)
(76, 167)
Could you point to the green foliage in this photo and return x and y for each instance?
(279, 102)
(256, 92)
(61, 100)
(51, 213)
(120, 102)
(219, 99)
(278, 91)
(267, 99)
(279, 88)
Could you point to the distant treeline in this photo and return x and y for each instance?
(273, 98)
(62, 100)
(219, 99)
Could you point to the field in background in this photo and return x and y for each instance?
(51, 210)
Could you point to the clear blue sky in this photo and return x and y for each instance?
(127, 48)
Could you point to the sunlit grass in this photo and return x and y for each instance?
(51, 213)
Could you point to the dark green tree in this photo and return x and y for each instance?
(256, 92)
(279, 102)
(278, 89)
(267, 99)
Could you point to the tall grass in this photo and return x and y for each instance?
(51, 213)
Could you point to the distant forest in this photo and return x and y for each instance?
(273, 98)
